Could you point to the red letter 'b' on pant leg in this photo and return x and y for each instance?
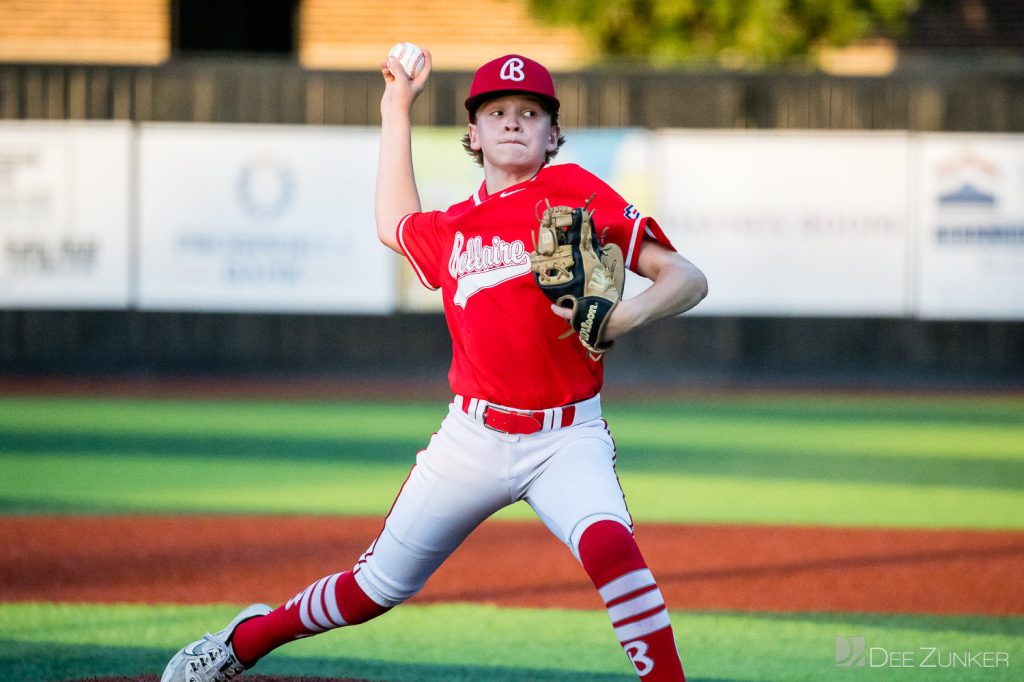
(612, 559)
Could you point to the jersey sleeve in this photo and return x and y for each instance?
(417, 235)
(617, 221)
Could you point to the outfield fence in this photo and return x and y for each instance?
(916, 321)
(928, 98)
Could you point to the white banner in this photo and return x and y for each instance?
(970, 226)
(790, 223)
(261, 218)
(281, 219)
(64, 214)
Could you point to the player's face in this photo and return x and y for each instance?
(514, 133)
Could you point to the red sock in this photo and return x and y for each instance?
(331, 602)
(613, 561)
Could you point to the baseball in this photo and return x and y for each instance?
(409, 56)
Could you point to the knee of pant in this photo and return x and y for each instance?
(386, 593)
(581, 528)
(608, 550)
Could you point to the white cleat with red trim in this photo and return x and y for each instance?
(211, 659)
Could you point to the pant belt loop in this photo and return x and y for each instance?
(551, 417)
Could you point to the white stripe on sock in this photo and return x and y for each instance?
(331, 599)
(642, 627)
(304, 614)
(624, 584)
(647, 601)
(317, 605)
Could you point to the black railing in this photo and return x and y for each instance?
(271, 91)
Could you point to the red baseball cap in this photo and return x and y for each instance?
(510, 74)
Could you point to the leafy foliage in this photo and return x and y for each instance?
(734, 33)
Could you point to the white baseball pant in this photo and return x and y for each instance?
(468, 472)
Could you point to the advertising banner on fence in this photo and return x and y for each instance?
(64, 214)
(970, 226)
(790, 223)
(261, 218)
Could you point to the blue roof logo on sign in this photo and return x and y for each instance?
(968, 194)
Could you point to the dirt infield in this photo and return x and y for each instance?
(194, 560)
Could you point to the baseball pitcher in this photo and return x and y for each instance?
(530, 268)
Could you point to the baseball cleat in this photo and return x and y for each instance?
(211, 659)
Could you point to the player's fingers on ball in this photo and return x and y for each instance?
(395, 66)
(424, 72)
(427, 61)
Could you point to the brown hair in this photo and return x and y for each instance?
(478, 154)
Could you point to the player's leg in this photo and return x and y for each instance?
(613, 560)
(331, 602)
(577, 495)
(456, 484)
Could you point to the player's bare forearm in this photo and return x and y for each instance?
(396, 193)
(677, 286)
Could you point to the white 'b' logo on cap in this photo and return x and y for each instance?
(512, 70)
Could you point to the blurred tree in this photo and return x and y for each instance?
(734, 33)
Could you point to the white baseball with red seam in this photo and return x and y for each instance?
(409, 56)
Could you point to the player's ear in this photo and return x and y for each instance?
(553, 136)
(474, 141)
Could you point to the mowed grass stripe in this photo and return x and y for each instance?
(827, 426)
(755, 462)
(832, 460)
(104, 483)
(463, 641)
(247, 418)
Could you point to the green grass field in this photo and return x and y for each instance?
(881, 461)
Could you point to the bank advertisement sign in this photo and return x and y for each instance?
(260, 218)
(790, 223)
(64, 214)
(970, 226)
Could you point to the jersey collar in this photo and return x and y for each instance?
(481, 195)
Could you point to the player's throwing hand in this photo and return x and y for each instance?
(397, 83)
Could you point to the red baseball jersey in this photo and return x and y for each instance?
(505, 338)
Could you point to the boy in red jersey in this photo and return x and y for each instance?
(525, 422)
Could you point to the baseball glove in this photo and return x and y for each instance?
(575, 271)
